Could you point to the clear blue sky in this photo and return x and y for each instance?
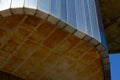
(115, 66)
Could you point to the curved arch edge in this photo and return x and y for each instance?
(63, 25)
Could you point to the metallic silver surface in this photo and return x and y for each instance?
(80, 14)
(4, 4)
(17, 3)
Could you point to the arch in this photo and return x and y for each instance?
(9, 11)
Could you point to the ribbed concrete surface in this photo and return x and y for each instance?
(34, 49)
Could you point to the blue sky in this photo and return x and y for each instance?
(115, 66)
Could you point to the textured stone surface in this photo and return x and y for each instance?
(34, 49)
(111, 16)
(41, 14)
(52, 19)
(18, 11)
(5, 13)
(7, 76)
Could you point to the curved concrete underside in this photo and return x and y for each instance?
(34, 49)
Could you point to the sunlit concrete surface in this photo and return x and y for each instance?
(34, 49)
